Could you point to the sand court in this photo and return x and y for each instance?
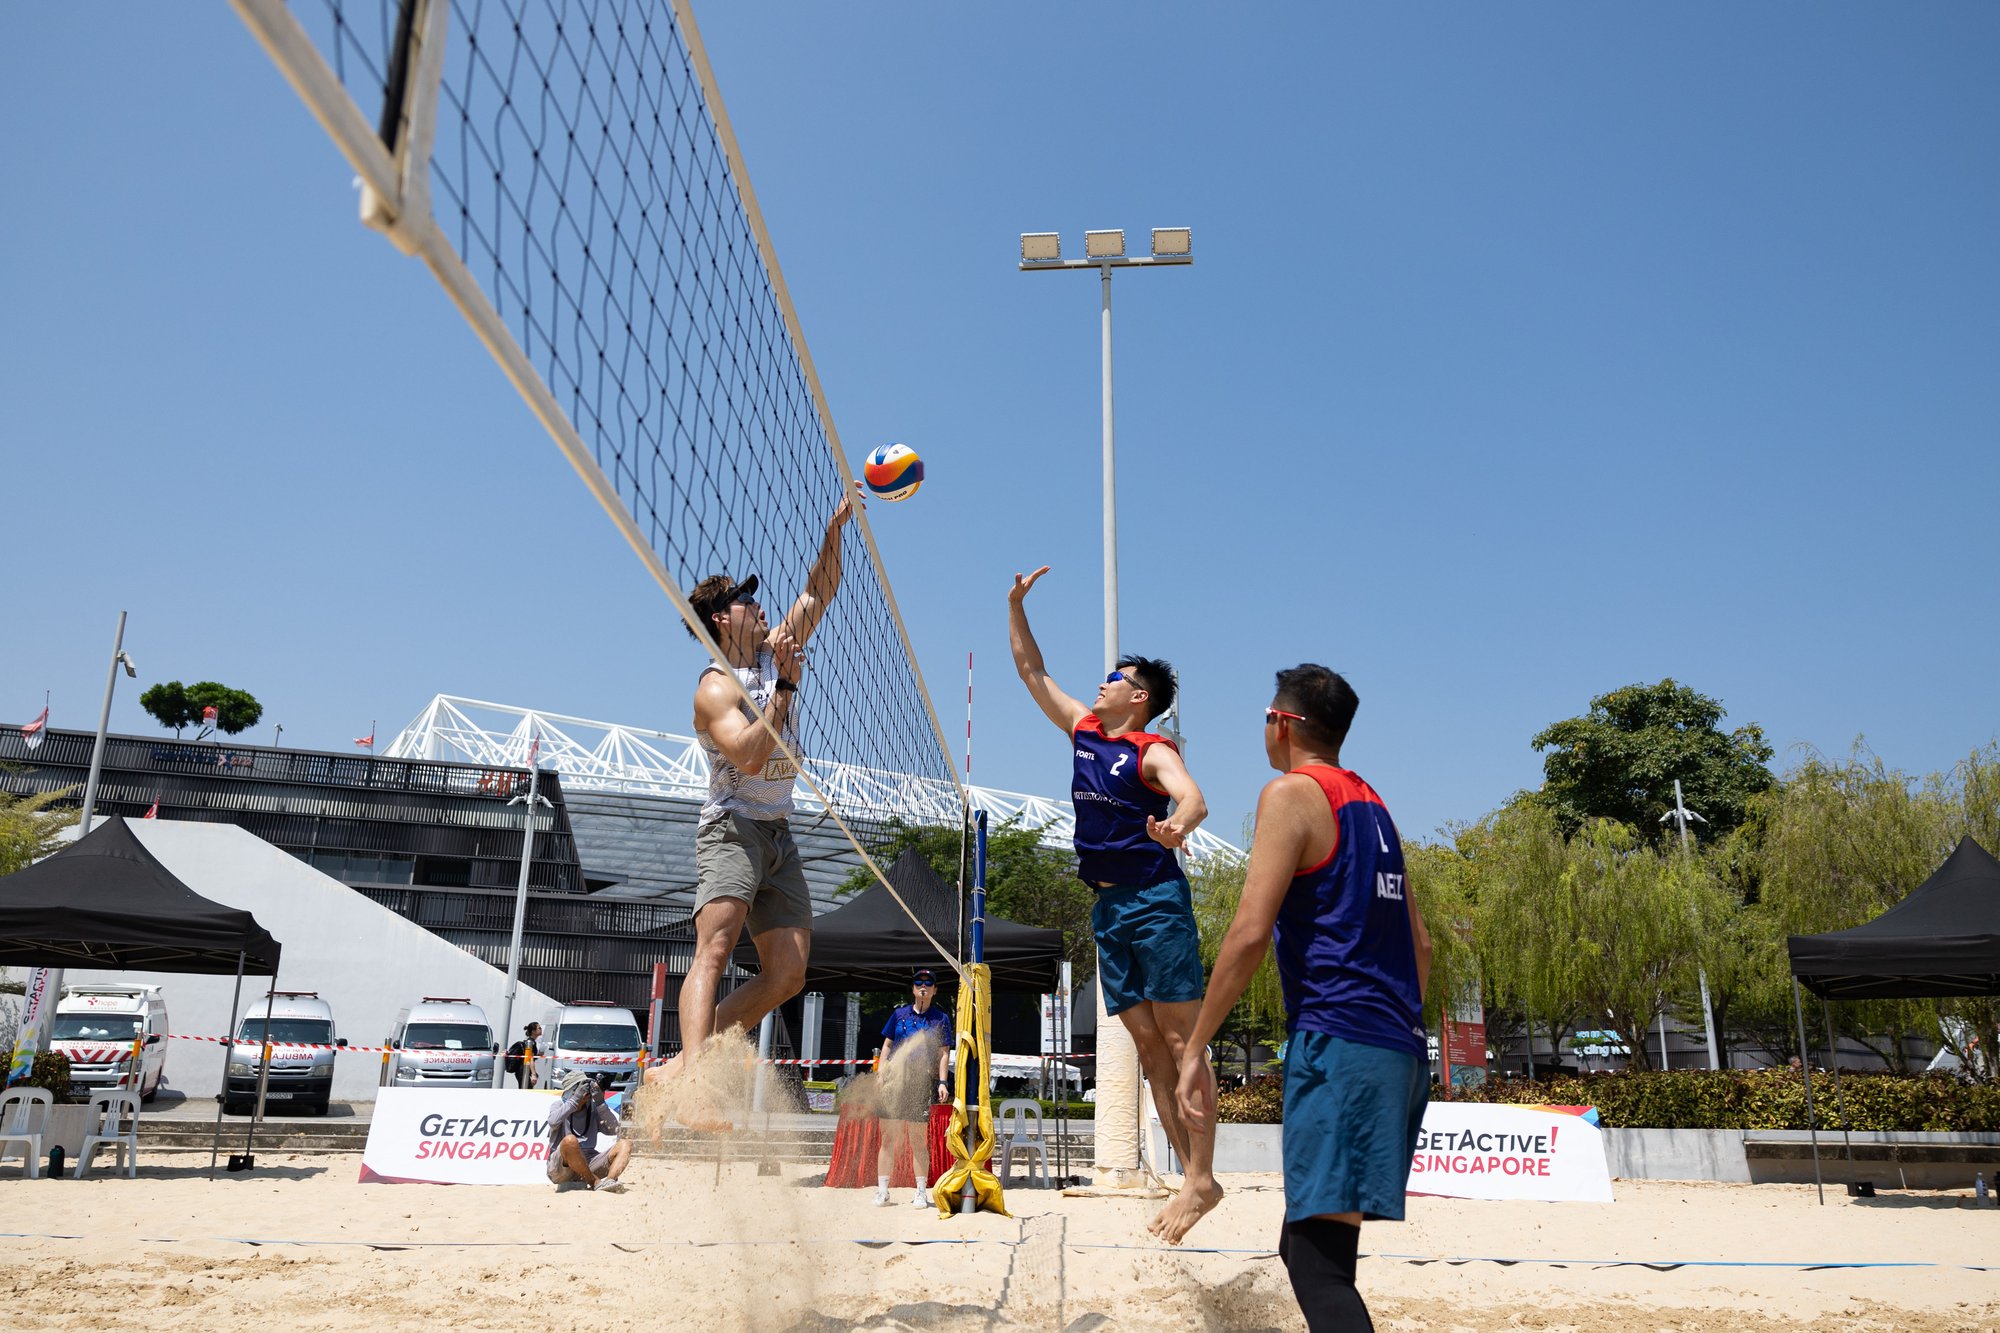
(679, 1251)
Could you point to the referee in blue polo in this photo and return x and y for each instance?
(916, 1041)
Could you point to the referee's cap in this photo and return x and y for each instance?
(923, 976)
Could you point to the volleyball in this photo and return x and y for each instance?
(893, 472)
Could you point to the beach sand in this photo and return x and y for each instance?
(679, 1251)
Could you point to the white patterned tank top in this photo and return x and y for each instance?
(766, 794)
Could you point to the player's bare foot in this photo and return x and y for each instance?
(1184, 1210)
(671, 1067)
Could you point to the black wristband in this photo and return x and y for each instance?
(784, 686)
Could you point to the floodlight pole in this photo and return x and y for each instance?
(1681, 815)
(530, 800)
(1110, 495)
(52, 986)
(1115, 1048)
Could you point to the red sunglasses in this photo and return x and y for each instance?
(1273, 714)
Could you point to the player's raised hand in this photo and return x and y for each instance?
(1021, 585)
(1166, 832)
(849, 502)
(786, 654)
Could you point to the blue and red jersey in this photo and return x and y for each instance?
(1347, 958)
(933, 1025)
(1112, 800)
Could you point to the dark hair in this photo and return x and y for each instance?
(1156, 678)
(707, 601)
(1324, 698)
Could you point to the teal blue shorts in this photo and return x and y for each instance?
(1147, 944)
(1352, 1115)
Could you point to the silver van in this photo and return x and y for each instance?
(608, 1037)
(442, 1043)
(303, 1045)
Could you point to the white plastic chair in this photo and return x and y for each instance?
(108, 1124)
(18, 1115)
(1020, 1130)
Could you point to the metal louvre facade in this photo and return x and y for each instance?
(609, 757)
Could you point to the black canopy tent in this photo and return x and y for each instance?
(107, 902)
(870, 943)
(1942, 940)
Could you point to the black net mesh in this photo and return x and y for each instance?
(579, 174)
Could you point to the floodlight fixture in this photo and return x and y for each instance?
(1040, 245)
(1104, 244)
(125, 660)
(1172, 242)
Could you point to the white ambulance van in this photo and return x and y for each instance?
(597, 1039)
(95, 1026)
(442, 1043)
(303, 1046)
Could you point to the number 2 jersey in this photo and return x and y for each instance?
(1347, 958)
(1112, 800)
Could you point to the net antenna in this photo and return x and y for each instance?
(568, 175)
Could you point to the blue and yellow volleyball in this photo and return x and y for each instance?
(893, 472)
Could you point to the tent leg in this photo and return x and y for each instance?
(263, 1067)
(228, 1047)
(1840, 1097)
(1805, 1067)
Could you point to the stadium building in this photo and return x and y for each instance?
(431, 829)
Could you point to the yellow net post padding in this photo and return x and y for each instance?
(975, 1045)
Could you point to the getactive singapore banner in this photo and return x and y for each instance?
(450, 1136)
(1469, 1150)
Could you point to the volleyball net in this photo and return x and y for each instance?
(566, 171)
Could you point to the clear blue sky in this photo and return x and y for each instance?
(1530, 351)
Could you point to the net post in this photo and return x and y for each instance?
(968, 1199)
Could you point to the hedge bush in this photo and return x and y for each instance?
(51, 1071)
(1261, 1101)
(1700, 1099)
(1757, 1099)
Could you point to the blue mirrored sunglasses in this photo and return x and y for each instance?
(1114, 678)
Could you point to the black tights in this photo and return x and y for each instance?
(1320, 1255)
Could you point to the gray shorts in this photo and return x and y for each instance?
(753, 861)
(560, 1174)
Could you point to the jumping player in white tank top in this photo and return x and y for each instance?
(748, 868)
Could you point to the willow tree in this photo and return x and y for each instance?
(1630, 918)
(1442, 881)
(1514, 862)
(30, 829)
(1259, 1016)
(1844, 841)
(1969, 800)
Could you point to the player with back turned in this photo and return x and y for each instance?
(1148, 947)
(1327, 884)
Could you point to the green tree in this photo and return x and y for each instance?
(29, 829)
(1259, 1015)
(1844, 841)
(1619, 761)
(1511, 867)
(1629, 916)
(177, 706)
(1026, 881)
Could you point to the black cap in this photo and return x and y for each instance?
(923, 976)
(718, 600)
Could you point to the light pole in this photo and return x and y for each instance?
(45, 984)
(1120, 1127)
(530, 799)
(1681, 815)
(1104, 251)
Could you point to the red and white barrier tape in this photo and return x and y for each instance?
(120, 1052)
